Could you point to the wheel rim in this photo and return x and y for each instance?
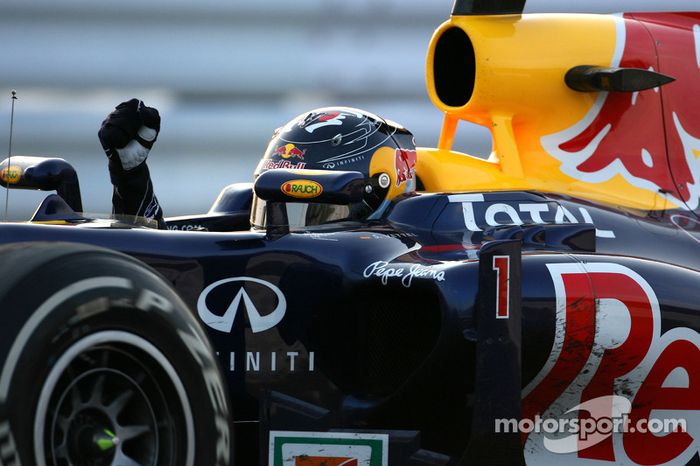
(113, 399)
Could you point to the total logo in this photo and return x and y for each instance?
(302, 189)
(480, 214)
(258, 322)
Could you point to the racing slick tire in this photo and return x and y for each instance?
(103, 364)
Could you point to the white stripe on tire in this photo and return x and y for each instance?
(40, 314)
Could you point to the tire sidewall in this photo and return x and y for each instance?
(73, 297)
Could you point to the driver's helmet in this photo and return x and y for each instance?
(347, 139)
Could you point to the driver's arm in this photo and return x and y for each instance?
(127, 135)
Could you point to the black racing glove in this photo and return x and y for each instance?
(127, 136)
(128, 133)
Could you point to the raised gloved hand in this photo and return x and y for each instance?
(128, 133)
(127, 136)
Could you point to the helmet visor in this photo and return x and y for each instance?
(302, 215)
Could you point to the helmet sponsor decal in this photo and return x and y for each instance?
(328, 449)
(288, 151)
(345, 161)
(286, 164)
(405, 165)
(313, 121)
(609, 346)
(302, 189)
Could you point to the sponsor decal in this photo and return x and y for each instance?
(289, 151)
(194, 227)
(405, 165)
(479, 213)
(148, 300)
(11, 174)
(404, 273)
(8, 448)
(343, 162)
(302, 189)
(259, 322)
(400, 235)
(323, 236)
(210, 374)
(609, 346)
(285, 164)
(270, 361)
(328, 449)
(623, 133)
(314, 121)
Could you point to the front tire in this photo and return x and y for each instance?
(106, 366)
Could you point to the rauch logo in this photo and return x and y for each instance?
(302, 189)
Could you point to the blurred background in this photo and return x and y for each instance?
(224, 74)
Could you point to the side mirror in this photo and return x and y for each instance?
(43, 174)
(278, 187)
(310, 186)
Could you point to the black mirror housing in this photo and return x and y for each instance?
(43, 174)
(313, 186)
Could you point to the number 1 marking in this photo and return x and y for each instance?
(501, 264)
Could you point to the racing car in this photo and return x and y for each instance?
(368, 302)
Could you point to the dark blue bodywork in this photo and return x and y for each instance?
(379, 330)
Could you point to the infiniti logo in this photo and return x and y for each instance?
(258, 322)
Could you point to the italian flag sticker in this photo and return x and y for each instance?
(328, 449)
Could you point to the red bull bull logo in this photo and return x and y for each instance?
(649, 138)
(290, 151)
(405, 165)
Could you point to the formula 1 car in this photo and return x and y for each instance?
(539, 307)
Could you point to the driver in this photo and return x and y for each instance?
(348, 139)
(331, 138)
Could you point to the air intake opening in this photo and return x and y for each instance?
(454, 68)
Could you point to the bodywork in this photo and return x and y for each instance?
(388, 328)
